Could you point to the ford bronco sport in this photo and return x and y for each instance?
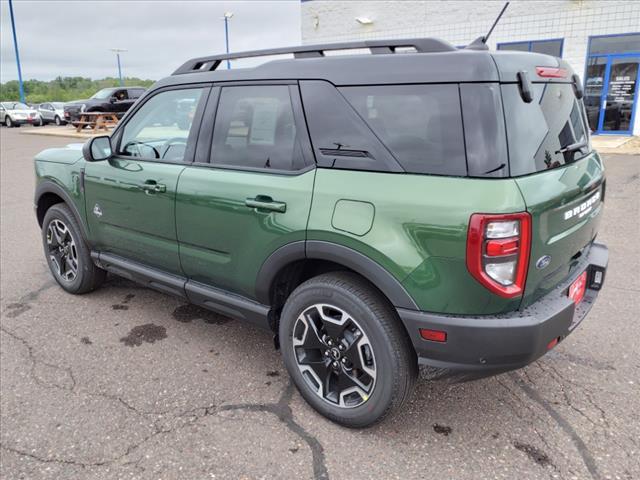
(420, 204)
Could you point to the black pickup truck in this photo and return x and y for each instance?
(117, 100)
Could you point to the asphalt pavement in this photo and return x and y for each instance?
(127, 383)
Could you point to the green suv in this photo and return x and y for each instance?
(418, 205)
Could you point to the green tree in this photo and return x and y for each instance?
(63, 89)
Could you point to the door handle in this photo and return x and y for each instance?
(151, 186)
(264, 202)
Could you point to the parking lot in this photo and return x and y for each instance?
(129, 383)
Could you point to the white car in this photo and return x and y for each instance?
(52, 112)
(14, 114)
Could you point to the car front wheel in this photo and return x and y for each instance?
(346, 350)
(58, 121)
(67, 254)
(8, 122)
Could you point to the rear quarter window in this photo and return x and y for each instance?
(538, 131)
(420, 124)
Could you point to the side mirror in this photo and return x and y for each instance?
(113, 100)
(96, 149)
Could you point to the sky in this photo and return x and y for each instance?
(73, 38)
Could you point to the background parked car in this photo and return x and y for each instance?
(117, 100)
(14, 114)
(52, 112)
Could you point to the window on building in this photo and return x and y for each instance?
(548, 47)
(615, 44)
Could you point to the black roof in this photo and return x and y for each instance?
(390, 62)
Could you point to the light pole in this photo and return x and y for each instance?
(15, 46)
(227, 17)
(118, 51)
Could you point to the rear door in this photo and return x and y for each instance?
(130, 198)
(46, 111)
(563, 190)
(249, 191)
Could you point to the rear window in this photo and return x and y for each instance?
(537, 132)
(420, 124)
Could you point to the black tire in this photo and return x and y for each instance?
(87, 276)
(8, 122)
(391, 354)
(58, 120)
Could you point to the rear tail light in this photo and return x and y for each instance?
(498, 251)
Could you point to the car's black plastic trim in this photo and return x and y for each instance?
(364, 266)
(279, 259)
(234, 306)
(47, 186)
(479, 346)
(218, 300)
(137, 272)
(336, 253)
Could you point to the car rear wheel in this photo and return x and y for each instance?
(346, 350)
(67, 254)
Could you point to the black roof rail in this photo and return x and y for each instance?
(421, 45)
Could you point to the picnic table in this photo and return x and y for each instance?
(97, 121)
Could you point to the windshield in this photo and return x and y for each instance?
(539, 132)
(15, 106)
(102, 94)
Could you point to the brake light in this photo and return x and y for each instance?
(551, 72)
(498, 249)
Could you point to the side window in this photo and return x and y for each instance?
(135, 93)
(255, 128)
(160, 128)
(340, 138)
(120, 95)
(420, 124)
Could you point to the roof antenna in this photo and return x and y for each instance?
(480, 43)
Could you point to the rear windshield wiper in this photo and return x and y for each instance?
(573, 147)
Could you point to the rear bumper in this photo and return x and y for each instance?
(487, 345)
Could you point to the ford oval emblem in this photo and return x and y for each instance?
(543, 262)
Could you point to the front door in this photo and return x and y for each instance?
(251, 191)
(120, 101)
(611, 93)
(130, 198)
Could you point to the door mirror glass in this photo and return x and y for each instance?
(96, 149)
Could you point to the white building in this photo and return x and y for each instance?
(600, 39)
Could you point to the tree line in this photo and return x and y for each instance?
(62, 89)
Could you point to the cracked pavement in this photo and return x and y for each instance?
(127, 383)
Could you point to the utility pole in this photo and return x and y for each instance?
(227, 17)
(118, 51)
(15, 46)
